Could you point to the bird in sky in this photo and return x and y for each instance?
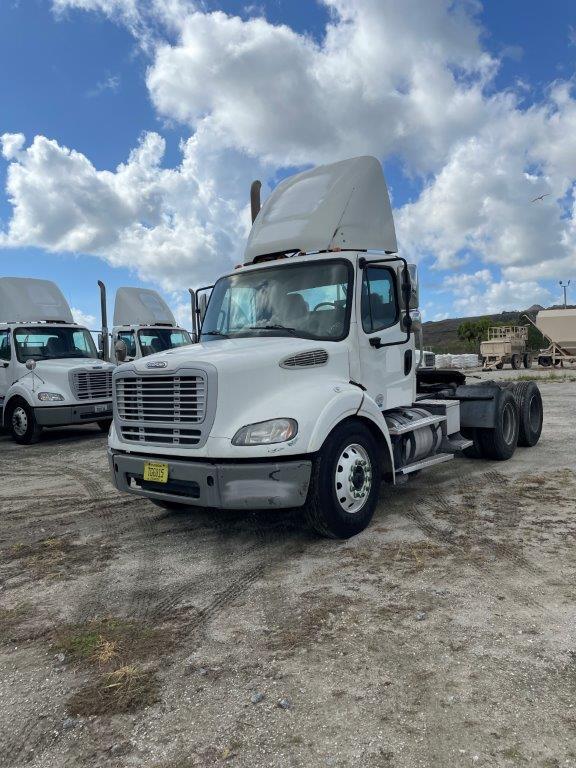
(540, 197)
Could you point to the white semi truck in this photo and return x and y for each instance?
(143, 325)
(50, 372)
(303, 389)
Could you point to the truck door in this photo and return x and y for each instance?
(386, 352)
(5, 357)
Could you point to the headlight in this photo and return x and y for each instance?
(266, 432)
(47, 397)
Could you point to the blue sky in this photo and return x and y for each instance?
(79, 78)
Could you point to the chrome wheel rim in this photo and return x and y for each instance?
(19, 421)
(353, 478)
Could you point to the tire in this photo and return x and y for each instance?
(499, 366)
(531, 412)
(173, 506)
(527, 360)
(516, 362)
(545, 361)
(22, 423)
(104, 425)
(338, 516)
(500, 442)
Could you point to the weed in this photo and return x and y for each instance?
(111, 640)
(11, 619)
(58, 558)
(126, 689)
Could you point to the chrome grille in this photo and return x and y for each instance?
(307, 359)
(161, 409)
(92, 385)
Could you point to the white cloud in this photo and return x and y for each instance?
(82, 318)
(12, 144)
(110, 83)
(169, 225)
(411, 80)
(479, 294)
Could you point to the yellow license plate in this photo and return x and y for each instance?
(155, 472)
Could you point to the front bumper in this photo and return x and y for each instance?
(265, 485)
(62, 415)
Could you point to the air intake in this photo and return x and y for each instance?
(310, 359)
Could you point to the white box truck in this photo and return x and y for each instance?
(143, 325)
(303, 389)
(50, 372)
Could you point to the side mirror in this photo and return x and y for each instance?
(202, 305)
(121, 350)
(30, 364)
(416, 320)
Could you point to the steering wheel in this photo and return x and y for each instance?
(325, 304)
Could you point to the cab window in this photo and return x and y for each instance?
(129, 339)
(5, 350)
(379, 299)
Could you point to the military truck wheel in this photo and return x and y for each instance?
(500, 442)
(516, 362)
(545, 361)
(345, 482)
(500, 365)
(527, 360)
(104, 425)
(22, 423)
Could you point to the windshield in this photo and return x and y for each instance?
(53, 343)
(160, 339)
(309, 300)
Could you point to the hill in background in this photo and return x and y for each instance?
(442, 335)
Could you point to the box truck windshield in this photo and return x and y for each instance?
(309, 300)
(52, 343)
(160, 339)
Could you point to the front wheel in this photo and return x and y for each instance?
(22, 423)
(516, 362)
(345, 482)
(527, 361)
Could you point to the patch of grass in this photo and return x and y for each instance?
(11, 619)
(555, 377)
(126, 689)
(109, 641)
(58, 557)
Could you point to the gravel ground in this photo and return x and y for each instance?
(444, 635)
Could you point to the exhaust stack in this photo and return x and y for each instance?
(255, 199)
(104, 316)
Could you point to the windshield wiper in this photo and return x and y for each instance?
(215, 333)
(272, 327)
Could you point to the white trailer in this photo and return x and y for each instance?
(143, 325)
(303, 390)
(50, 372)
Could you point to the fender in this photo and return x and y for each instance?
(17, 390)
(369, 410)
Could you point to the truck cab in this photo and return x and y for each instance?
(143, 325)
(50, 372)
(303, 390)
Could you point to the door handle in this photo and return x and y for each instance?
(376, 342)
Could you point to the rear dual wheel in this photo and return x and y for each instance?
(345, 482)
(499, 442)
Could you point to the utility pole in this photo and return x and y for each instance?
(564, 286)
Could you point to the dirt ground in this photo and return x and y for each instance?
(444, 635)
